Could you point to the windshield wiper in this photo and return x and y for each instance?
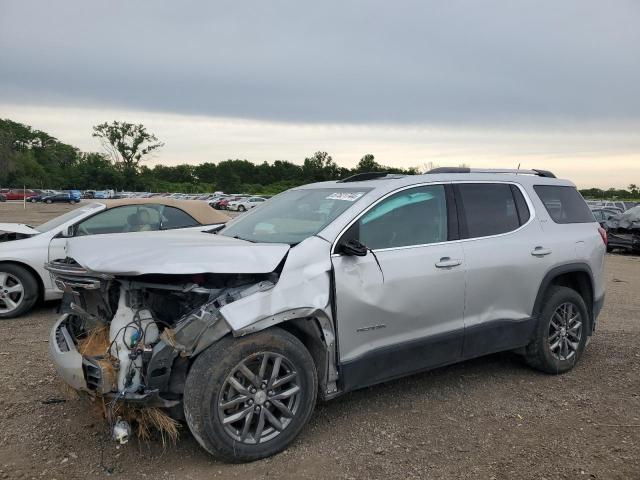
(215, 229)
(237, 237)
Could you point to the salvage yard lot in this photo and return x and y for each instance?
(488, 418)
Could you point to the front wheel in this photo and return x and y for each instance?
(242, 208)
(48, 201)
(248, 398)
(562, 332)
(18, 290)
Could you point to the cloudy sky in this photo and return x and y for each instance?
(547, 83)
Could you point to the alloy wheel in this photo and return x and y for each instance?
(259, 398)
(565, 331)
(11, 292)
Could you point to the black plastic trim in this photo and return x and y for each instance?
(388, 363)
(597, 308)
(449, 170)
(361, 177)
(415, 356)
(497, 336)
(556, 272)
(544, 173)
(453, 226)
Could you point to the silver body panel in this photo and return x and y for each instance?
(413, 300)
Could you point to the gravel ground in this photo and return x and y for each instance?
(490, 418)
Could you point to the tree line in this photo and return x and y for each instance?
(36, 159)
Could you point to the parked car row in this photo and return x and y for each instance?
(217, 200)
(238, 203)
(45, 196)
(619, 205)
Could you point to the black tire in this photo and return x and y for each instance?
(538, 352)
(48, 201)
(241, 208)
(30, 289)
(206, 382)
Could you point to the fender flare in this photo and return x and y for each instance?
(556, 272)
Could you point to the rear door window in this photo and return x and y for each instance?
(564, 204)
(487, 209)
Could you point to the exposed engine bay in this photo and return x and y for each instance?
(151, 321)
(132, 339)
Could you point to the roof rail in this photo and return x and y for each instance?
(359, 177)
(539, 173)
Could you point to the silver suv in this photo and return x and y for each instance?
(328, 288)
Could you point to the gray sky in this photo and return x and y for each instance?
(489, 83)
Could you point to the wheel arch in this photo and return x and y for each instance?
(309, 332)
(32, 271)
(578, 277)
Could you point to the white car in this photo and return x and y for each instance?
(245, 204)
(24, 249)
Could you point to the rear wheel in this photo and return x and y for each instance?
(561, 334)
(241, 208)
(18, 290)
(48, 201)
(248, 398)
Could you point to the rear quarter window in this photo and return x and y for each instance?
(487, 209)
(564, 204)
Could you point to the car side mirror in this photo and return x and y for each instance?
(67, 232)
(353, 247)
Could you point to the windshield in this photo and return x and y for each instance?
(293, 215)
(56, 222)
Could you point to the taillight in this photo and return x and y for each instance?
(603, 234)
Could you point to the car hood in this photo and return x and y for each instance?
(18, 228)
(174, 252)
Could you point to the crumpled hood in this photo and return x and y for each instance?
(173, 252)
(18, 228)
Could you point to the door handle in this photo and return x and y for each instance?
(447, 262)
(540, 252)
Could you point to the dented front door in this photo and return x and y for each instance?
(400, 308)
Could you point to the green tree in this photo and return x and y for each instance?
(127, 145)
(320, 167)
(227, 179)
(368, 164)
(206, 172)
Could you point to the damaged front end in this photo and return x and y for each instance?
(130, 339)
(624, 230)
(130, 331)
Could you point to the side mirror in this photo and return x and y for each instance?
(353, 248)
(67, 232)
